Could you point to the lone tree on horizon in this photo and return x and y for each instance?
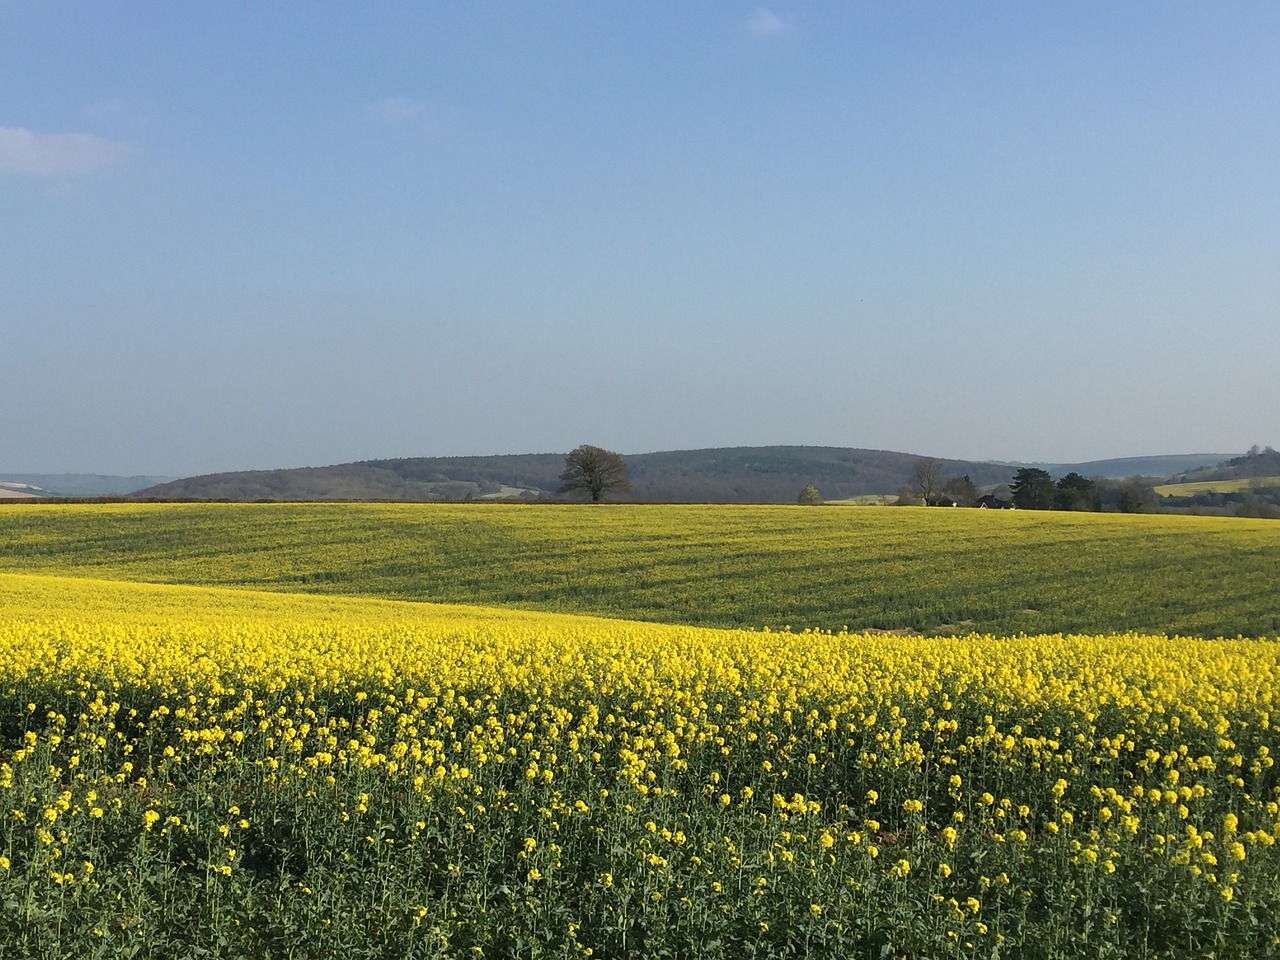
(595, 472)
(810, 496)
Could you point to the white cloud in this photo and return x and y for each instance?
(24, 153)
(395, 110)
(764, 22)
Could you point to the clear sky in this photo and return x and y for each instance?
(251, 235)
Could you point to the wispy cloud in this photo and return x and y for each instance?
(27, 154)
(764, 22)
(395, 110)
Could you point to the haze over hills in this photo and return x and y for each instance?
(773, 474)
(74, 484)
(1120, 468)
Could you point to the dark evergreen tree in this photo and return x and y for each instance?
(1032, 489)
(1074, 492)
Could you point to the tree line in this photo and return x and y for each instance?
(1031, 488)
(597, 474)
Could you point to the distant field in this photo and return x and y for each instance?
(1217, 486)
(867, 500)
(931, 571)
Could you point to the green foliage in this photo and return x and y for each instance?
(809, 495)
(1074, 492)
(1135, 495)
(1032, 489)
(927, 570)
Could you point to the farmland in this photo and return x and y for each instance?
(1236, 485)
(931, 571)
(224, 732)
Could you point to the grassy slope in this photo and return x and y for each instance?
(1217, 486)
(936, 571)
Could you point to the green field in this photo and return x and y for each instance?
(939, 571)
(867, 500)
(1217, 486)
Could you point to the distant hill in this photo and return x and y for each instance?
(776, 474)
(1246, 486)
(1255, 463)
(76, 484)
(727, 474)
(1125, 467)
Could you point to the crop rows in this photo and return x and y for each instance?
(931, 571)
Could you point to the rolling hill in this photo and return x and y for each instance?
(773, 474)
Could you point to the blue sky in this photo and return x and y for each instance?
(267, 235)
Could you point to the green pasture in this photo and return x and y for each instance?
(932, 571)
(1217, 486)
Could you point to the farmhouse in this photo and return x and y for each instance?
(992, 502)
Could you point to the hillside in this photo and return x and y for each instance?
(1124, 467)
(728, 475)
(1257, 463)
(725, 475)
(1242, 486)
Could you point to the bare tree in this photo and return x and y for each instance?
(961, 490)
(595, 472)
(926, 478)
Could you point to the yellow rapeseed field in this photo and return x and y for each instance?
(189, 769)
